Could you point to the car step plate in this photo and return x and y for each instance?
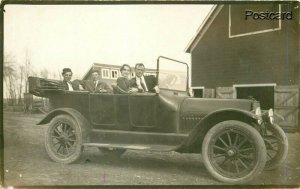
(150, 147)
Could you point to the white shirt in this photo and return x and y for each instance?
(95, 83)
(70, 86)
(138, 82)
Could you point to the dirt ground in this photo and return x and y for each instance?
(26, 163)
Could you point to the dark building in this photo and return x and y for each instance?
(235, 55)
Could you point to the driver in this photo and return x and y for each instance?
(147, 83)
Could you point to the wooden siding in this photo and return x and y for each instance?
(209, 93)
(286, 102)
(299, 67)
(225, 92)
(272, 57)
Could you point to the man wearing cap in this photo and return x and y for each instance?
(67, 76)
(67, 83)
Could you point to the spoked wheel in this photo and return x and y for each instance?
(277, 146)
(233, 152)
(112, 152)
(64, 139)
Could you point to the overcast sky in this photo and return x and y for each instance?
(58, 36)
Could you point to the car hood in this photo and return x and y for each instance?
(203, 106)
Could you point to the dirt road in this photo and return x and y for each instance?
(27, 163)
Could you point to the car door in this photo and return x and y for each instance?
(102, 110)
(142, 110)
(123, 111)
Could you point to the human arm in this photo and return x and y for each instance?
(123, 84)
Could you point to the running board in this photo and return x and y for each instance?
(137, 138)
(152, 147)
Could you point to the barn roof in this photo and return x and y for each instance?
(203, 27)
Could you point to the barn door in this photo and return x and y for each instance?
(209, 93)
(225, 92)
(286, 102)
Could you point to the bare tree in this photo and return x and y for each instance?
(21, 84)
(27, 70)
(44, 73)
(56, 75)
(59, 75)
(9, 75)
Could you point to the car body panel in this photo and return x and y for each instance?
(169, 118)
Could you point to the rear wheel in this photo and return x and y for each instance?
(64, 139)
(277, 146)
(233, 152)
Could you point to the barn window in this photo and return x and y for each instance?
(105, 73)
(198, 92)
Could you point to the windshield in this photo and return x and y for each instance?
(172, 74)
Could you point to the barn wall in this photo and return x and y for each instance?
(299, 66)
(262, 58)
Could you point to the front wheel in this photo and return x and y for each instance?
(277, 146)
(233, 152)
(64, 139)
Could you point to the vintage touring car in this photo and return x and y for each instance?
(237, 140)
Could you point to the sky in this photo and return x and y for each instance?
(76, 36)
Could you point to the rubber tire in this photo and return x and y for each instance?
(78, 148)
(113, 153)
(250, 132)
(281, 156)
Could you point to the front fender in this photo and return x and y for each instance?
(196, 136)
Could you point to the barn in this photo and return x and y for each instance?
(238, 55)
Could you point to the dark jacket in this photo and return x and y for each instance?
(150, 80)
(75, 85)
(123, 83)
(89, 85)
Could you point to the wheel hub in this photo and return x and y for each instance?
(231, 152)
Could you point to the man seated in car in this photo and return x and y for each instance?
(96, 85)
(147, 83)
(67, 83)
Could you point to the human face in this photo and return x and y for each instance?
(139, 71)
(125, 72)
(95, 76)
(67, 76)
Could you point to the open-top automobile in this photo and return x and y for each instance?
(236, 138)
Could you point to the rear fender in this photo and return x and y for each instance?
(77, 116)
(69, 111)
(196, 136)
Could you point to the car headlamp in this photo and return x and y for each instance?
(271, 115)
(258, 114)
